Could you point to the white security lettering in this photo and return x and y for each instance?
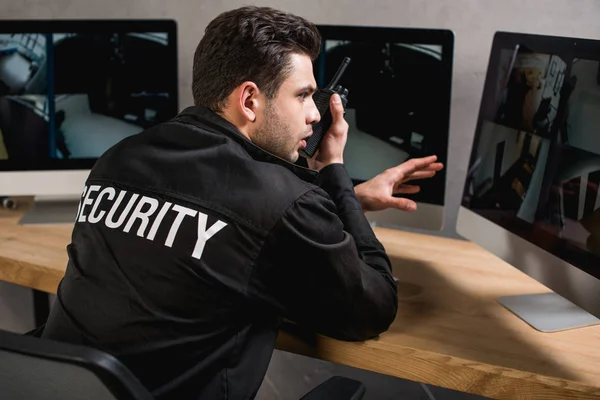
(80, 200)
(158, 220)
(145, 209)
(87, 201)
(182, 212)
(204, 235)
(92, 218)
(109, 218)
(144, 216)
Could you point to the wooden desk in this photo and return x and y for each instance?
(32, 256)
(450, 331)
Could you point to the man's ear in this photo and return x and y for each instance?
(249, 101)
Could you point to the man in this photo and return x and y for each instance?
(195, 238)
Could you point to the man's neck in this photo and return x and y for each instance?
(230, 117)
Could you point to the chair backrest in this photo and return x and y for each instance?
(33, 368)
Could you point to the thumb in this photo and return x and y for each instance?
(337, 112)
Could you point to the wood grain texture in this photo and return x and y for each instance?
(450, 330)
(32, 256)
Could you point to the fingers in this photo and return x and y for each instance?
(436, 166)
(413, 165)
(427, 172)
(407, 189)
(419, 175)
(339, 126)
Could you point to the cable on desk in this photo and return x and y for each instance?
(427, 391)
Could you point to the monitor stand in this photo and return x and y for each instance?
(51, 210)
(548, 312)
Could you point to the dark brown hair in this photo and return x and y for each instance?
(249, 44)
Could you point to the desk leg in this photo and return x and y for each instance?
(41, 307)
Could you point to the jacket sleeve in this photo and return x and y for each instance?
(323, 266)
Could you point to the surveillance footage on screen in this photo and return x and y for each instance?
(74, 95)
(537, 161)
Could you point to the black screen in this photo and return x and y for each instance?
(399, 83)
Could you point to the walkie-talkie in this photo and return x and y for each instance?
(322, 98)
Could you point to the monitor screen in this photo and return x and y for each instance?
(69, 90)
(399, 83)
(535, 163)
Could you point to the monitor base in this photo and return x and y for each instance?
(428, 217)
(548, 312)
(46, 211)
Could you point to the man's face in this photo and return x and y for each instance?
(288, 117)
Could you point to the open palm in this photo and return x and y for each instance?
(377, 193)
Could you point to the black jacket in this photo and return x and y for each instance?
(190, 246)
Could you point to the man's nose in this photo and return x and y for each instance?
(313, 114)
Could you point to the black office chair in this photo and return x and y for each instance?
(41, 369)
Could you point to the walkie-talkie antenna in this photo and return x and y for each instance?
(339, 73)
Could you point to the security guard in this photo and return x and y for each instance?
(196, 237)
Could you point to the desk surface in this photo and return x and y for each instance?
(450, 330)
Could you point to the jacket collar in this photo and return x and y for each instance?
(205, 118)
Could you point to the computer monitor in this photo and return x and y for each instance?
(531, 195)
(399, 82)
(71, 89)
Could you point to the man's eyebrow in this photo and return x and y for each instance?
(308, 88)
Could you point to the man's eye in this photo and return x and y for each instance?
(304, 95)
